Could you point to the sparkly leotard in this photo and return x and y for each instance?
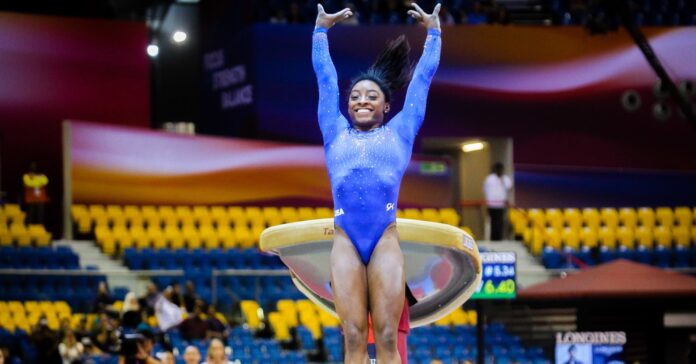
(365, 168)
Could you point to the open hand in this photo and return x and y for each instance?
(430, 21)
(328, 20)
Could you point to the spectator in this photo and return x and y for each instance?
(104, 299)
(190, 296)
(90, 348)
(35, 196)
(446, 17)
(64, 326)
(167, 357)
(477, 16)
(149, 300)
(70, 349)
(46, 342)
(104, 336)
(216, 326)
(2, 356)
(194, 327)
(82, 330)
(496, 189)
(144, 351)
(216, 354)
(175, 296)
(192, 355)
(131, 316)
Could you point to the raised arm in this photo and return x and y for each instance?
(411, 117)
(327, 79)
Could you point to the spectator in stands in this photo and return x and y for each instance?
(46, 342)
(70, 349)
(477, 16)
(82, 330)
(104, 336)
(35, 196)
(167, 357)
(175, 296)
(90, 348)
(496, 189)
(190, 296)
(131, 315)
(145, 346)
(446, 17)
(64, 327)
(104, 299)
(2, 355)
(194, 326)
(216, 327)
(149, 300)
(192, 355)
(216, 354)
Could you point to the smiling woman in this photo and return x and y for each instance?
(366, 159)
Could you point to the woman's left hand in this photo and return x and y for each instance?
(430, 21)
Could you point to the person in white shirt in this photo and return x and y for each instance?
(496, 189)
(70, 349)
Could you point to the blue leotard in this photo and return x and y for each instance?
(366, 167)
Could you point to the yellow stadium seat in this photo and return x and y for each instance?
(646, 217)
(20, 234)
(473, 317)
(271, 216)
(664, 216)
(591, 218)
(133, 215)
(571, 238)
(445, 321)
(414, 214)
(173, 237)
(693, 234)
(305, 305)
(184, 215)
(306, 213)
(244, 237)
(254, 215)
(39, 235)
(554, 218)
(252, 313)
(96, 211)
(683, 216)
(552, 238)
(431, 215)
(208, 237)
(310, 320)
(628, 217)
(115, 215)
(16, 307)
(450, 216)
(219, 215)
(228, 237)
(168, 215)
(682, 236)
(663, 236)
(324, 212)
(572, 218)
(644, 237)
(537, 240)
(103, 236)
(607, 237)
(519, 221)
(459, 317)
(289, 214)
(589, 237)
(122, 237)
(399, 213)
(78, 211)
(328, 320)
(237, 215)
(289, 311)
(280, 327)
(256, 231)
(609, 217)
(537, 218)
(5, 237)
(626, 237)
(156, 237)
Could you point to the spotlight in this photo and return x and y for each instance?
(472, 147)
(153, 50)
(661, 111)
(630, 100)
(660, 89)
(179, 36)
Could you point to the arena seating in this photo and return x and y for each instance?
(117, 228)
(662, 236)
(14, 231)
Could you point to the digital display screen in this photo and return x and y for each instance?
(498, 279)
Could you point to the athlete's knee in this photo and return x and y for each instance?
(386, 336)
(355, 335)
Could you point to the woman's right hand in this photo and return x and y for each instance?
(325, 20)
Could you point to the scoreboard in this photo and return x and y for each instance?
(498, 278)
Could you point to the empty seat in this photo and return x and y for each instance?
(591, 218)
(646, 217)
(683, 216)
(628, 217)
(664, 216)
(663, 236)
(644, 237)
(572, 218)
(554, 218)
(626, 237)
(609, 217)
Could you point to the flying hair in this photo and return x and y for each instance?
(392, 69)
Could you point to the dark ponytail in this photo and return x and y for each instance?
(392, 69)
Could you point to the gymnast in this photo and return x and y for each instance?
(366, 158)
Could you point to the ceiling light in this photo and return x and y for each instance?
(472, 147)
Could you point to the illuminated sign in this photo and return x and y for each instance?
(498, 280)
(603, 347)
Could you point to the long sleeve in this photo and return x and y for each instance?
(330, 118)
(410, 119)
